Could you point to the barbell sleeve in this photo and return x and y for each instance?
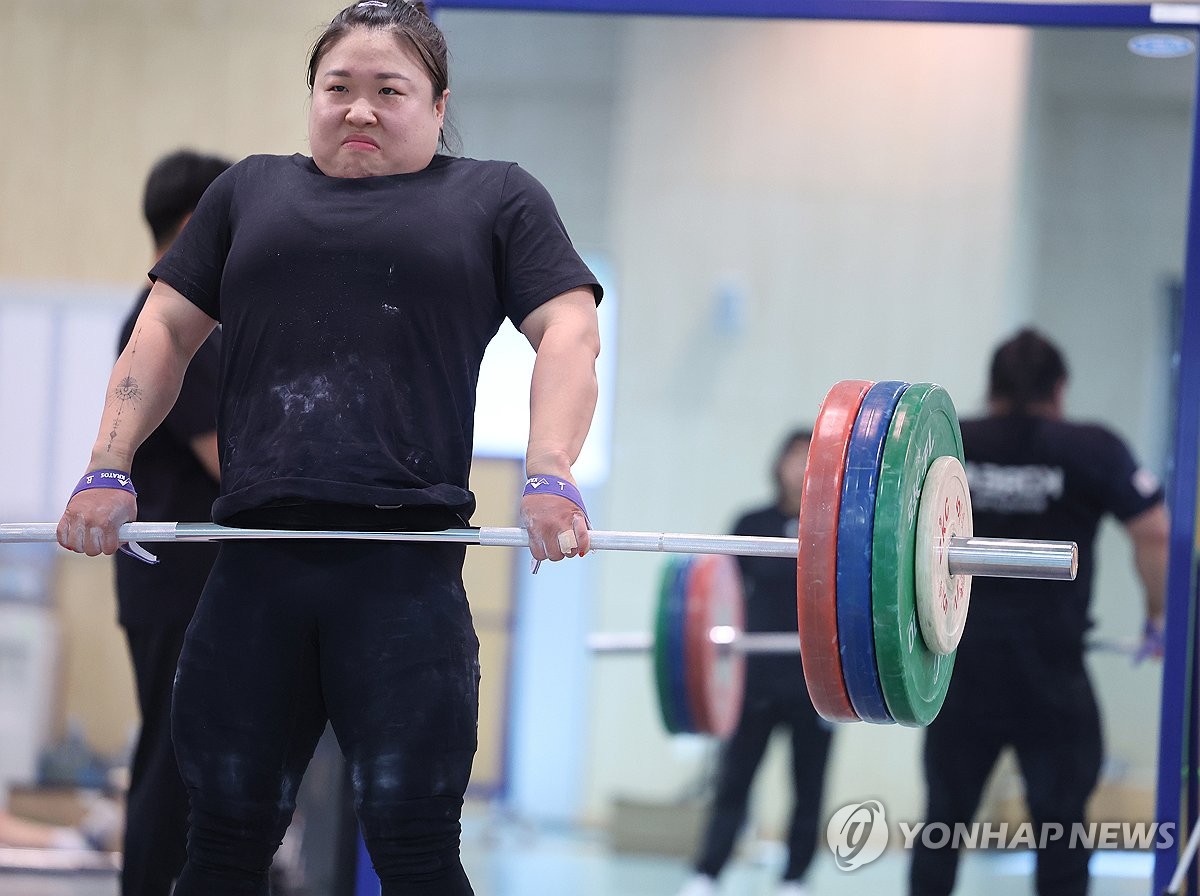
(1000, 557)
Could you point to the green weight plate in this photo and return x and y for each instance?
(676, 660)
(914, 678)
(662, 673)
(668, 659)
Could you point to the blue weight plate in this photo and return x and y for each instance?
(856, 633)
(676, 662)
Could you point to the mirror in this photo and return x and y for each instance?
(787, 204)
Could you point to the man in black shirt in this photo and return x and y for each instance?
(1019, 676)
(177, 473)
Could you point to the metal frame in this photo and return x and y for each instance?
(1178, 715)
(1081, 15)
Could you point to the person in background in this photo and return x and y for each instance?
(177, 472)
(1019, 677)
(775, 697)
(357, 290)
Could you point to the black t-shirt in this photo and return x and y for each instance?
(355, 314)
(172, 486)
(770, 588)
(1035, 478)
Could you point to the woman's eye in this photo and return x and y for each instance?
(337, 88)
(389, 91)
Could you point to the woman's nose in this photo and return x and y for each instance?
(360, 112)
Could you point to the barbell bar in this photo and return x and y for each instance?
(1000, 557)
(699, 646)
(722, 637)
(731, 639)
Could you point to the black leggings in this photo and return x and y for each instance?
(772, 699)
(1039, 702)
(377, 638)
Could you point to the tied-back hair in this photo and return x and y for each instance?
(798, 436)
(1026, 370)
(409, 21)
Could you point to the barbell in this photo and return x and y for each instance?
(883, 586)
(884, 553)
(1004, 557)
(728, 638)
(699, 646)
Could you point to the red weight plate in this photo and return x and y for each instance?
(816, 559)
(695, 639)
(716, 675)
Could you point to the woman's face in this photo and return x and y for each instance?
(791, 472)
(373, 110)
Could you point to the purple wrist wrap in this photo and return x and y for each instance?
(115, 479)
(105, 479)
(553, 485)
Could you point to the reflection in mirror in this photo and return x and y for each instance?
(787, 204)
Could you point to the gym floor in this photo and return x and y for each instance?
(519, 862)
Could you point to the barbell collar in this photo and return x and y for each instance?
(1001, 557)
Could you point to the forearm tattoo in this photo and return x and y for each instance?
(127, 391)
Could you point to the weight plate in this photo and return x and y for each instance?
(816, 559)
(942, 599)
(856, 522)
(662, 659)
(696, 639)
(716, 675)
(676, 664)
(914, 679)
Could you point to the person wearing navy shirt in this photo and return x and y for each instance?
(1019, 677)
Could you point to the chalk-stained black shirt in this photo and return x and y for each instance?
(355, 314)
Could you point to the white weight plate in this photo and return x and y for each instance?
(945, 513)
